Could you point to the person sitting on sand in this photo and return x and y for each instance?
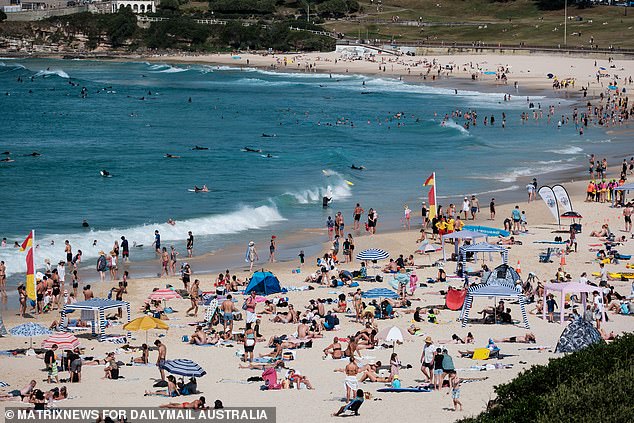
(342, 305)
(198, 404)
(112, 367)
(276, 353)
(172, 389)
(355, 404)
(369, 372)
(401, 303)
(56, 394)
(441, 276)
(493, 312)
(529, 338)
(391, 267)
(145, 355)
(605, 231)
(334, 350)
(298, 379)
(269, 307)
(291, 316)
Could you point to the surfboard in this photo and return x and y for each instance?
(349, 183)
(193, 190)
(104, 175)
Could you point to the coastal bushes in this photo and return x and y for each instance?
(242, 7)
(594, 384)
(117, 27)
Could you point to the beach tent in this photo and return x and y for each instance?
(503, 274)
(567, 288)
(95, 309)
(498, 288)
(263, 283)
(578, 335)
(481, 247)
(624, 187)
(458, 236)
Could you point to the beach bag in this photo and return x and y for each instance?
(244, 305)
(481, 354)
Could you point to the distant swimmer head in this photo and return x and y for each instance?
(104, 173)
(85, 224)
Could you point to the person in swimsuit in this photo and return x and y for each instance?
(228, 307)
(358, 211)
(165, 260)
(198, 404)
(190, 244)
(69, 252)
(193, 297)
(334, 350)
(3, 279)
(272, 247)
(249, 344)
(173, 259)
(529, 338)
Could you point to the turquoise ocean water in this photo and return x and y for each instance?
(318, 125)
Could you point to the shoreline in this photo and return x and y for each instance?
(230, 255)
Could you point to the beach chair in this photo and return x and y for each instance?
(545, 257)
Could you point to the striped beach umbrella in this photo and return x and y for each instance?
(29, 330)
(183, 367)
(64, 341)
(164, 294)
(373, 254)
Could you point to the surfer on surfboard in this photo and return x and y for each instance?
(203, 189)
(357, 167)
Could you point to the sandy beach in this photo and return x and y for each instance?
(227, 382)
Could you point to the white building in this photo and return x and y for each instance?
(137, 6)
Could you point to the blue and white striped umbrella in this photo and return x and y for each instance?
(373, 254)
(29, 330)
(183, 367)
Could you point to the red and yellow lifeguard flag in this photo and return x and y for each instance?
(30, 276)
(431, 196)
(28, 242)
(30, 267)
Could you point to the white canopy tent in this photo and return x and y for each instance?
(96, 308)
(458, 236)
(481, 247)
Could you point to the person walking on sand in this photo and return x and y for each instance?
(252, 255)
(125, 249)
(272, 247)
(330, 225)
(102, 265)
(466, 206)
(227, 307)
(193, 297)
(406, 216)
(69, 253)
(427, 358)
(162, 354)
(627, 217)
(492, 208)
(454, 382)
(475, 207)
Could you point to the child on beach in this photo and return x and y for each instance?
(301, 258)
(455, 391)
(550, 305)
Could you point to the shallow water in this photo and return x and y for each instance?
(135, 113)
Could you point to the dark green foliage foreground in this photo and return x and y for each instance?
(592, 385)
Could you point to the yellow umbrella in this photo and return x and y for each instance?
(145, 323)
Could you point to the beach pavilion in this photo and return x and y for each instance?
(567, 288)
(95, 311)
(472, 235)
(496, 288)
(481, 247)
(624, 187)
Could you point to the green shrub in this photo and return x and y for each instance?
(594, 384)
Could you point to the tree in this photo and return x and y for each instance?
(3, 16)
(122, 26)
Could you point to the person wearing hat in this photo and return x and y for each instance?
(102, 265)
(252, 255)
(466, 207)
(427, 358)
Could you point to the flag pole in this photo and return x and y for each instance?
(37, 310)
(435, 194)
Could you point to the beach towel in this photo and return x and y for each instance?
(481, 354)
(412, 389)
(4, 384)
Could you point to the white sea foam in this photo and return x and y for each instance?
(567, 150)
(58, 72)
(245, 218)
(337, 189)
(453, 125)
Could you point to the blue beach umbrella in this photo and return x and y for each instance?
(373, 254)
(183, 367)
(380, 293)
(29, 330)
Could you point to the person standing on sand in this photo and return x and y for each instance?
(492, 208)
(252, 255)
(627, 217)
(423, 214)
(352, 384)
(454, 382)
(475, 207)
(102, 265)
(249, 307)
(466, 206)
(356, 214)
(427, 358)
(272, 247)
(227, 307)
(193, 297)
(517, 217)
(330, 225)
(162, 354)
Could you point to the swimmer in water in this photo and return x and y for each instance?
(357, 167)
(33, 154)
(104, 173)
(85, 224)
(203, 189)
(171, 221)
(200, 148)
(171, 156)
